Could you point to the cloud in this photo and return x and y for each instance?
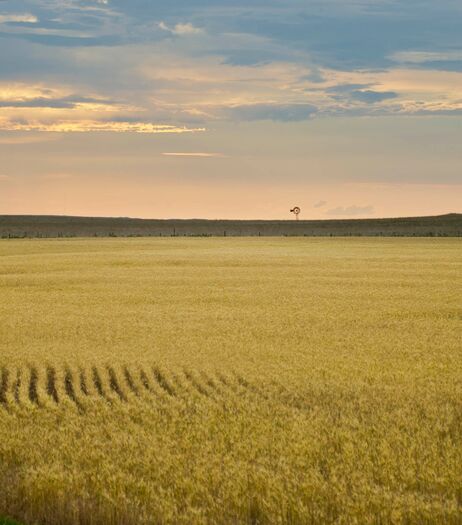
(371, 97)
(354, 35)
(273, 111)
(314, 76)
(248, 57)
(421, 57)
(435, 111)
(255, 61)
(350, 211)
(25, 18)
(360, 92)
(192, 154)
(80, 126)
(437, 60)
(320, 204)
(43, 108)
(68, 102)
(63, 41)
(181, 29)
(4, 177)
(346, 88)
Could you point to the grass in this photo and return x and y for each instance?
(194, 381)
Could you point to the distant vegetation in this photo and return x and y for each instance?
(231, 381)
(14, 226)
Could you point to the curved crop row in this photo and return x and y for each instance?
(48, 386)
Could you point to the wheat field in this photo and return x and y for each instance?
(228, 381)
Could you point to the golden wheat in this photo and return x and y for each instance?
(222, 381)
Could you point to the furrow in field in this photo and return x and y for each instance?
(25, 388)
(97, 383)
(163, 382)
(198, 385)
(17, 386)
(115, 384)
(9, 388)
(248, 387)
(214, 385)
(51, 384)
(33, 382)
(143, 387)
(149, 388)
(4, 383)
(39, 388)
(182, 386)
(69, 385)
(220, 389)
(131, 383)
(72, 387)
(61, 386)
(87, 383)
(105, 386)
(83, 382)
(100, 385)
(144, 380)
(138, 387)
(239, 386)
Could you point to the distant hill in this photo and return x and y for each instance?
(13, 226)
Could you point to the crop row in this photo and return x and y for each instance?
(47, 386)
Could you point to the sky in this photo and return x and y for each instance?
(231, 108)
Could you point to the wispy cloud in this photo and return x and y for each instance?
(69, 102)
(25, 18)
(281, 112)
(359, 93)
(181, 29)
(193, 154)
(350, 211)
(371, 97)
(421, 57)
(43, 108)
(81, 126)
(320, 204)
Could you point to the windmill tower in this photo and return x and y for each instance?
(296, 211)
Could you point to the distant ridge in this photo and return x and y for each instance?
(25, 226)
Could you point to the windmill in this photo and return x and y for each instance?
(296, 211)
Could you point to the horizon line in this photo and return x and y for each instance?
(226, 220)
